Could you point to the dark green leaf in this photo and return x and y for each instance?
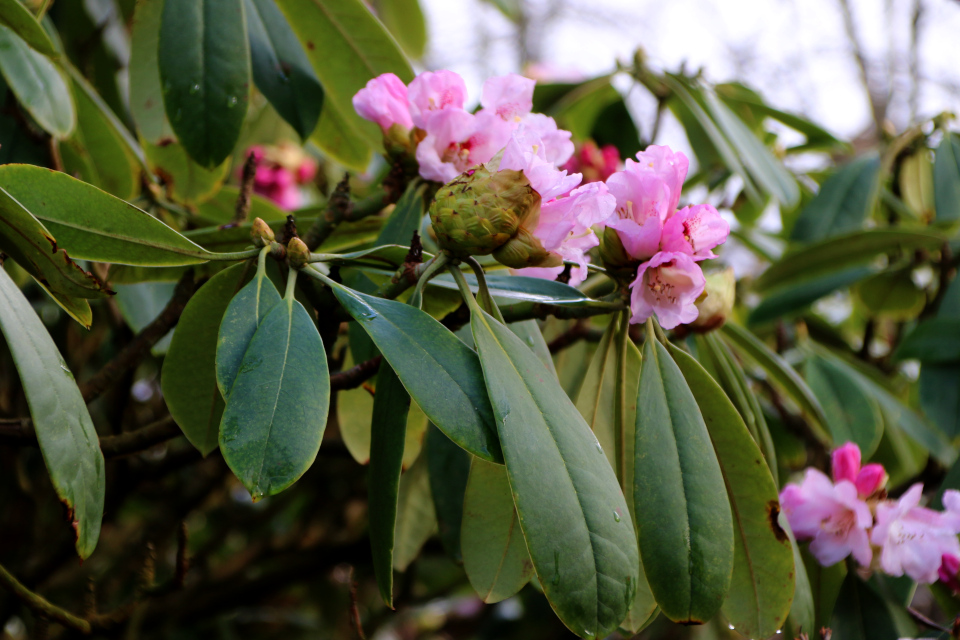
(861, 614)
(825, 584)
(141, 303)
(946, 178)
(857, 248)
(578, 110)
(405, 219)
(281, 69)
(146, 93)
(803, 609)
(494, 553)
(189, 375)
(27, 241)
(416, 520)
(390, 407)
(843, 203)
(277, 410)
(529, 333)
(238, 324)
(38, 85)
(523, 288)
(684, 523)
(853, 414)
(762, 587)
(64, 429)
(17, 17)
(336, 136)
(449, 467)
(186, 181)
(404, 19)
(933, 341)
(615, 126)
(797, 296)
(940, 396)
(573, 516)
(892, 295)
(441, 373)
(347, 46)
(94, 225)
(205, 73)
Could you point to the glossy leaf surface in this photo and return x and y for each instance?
(449, 468)
(853, 415)
(843, 203)
(38, 85)
(16, 16)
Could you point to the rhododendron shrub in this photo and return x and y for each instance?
(505, 356)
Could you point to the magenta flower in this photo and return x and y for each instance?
(595, 163)
(845, 465)
(913, 539)
(433, 91)
(832, 515)
(509, 96)
(384, 101)
(947, 573)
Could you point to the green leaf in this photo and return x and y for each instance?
(205, 73)
(615, 126)
(185, 181)
(404, 19)
(92, 224)
(37, 84)
(844, 202)
(857, 248)
(523, 288)
(27, 241)
(577, 111)
(684, 523)
(281, 69)
(449, 467)
(861, 614)
(946, 178)
(18, 18)
(766, 170)
(347, 46)
(781, 375)
(146, 93)
(825, 585)
(494, 553)
(337, 137)
(277, 409)
(529, 333)
(221, 208)
(141, 303)
(405, 219)
(933, 341)
(940, 396)
(802, 610)
(797, 296)
(390, 407)
(572, 513)
(416, 520)
(188, 379)
(441, 373)
(817, 137)
(68, 440)
(239, 321)
(853, 415)
(76, 308)
(762, 587)
(892, 295)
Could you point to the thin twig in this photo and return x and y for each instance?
(131, 355)
(571, 336)
(242, 210)
(355, 376)
(354, 609)
(41, 606)
(925, 621)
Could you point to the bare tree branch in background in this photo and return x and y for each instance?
(877, 107)
(916, 19)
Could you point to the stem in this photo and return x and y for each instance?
(322, 257)
(620, 398)
(223, 257)
(483, 291)
(41, 606)
(431, 268)
(653, 329)
(291, 284)
(464, 288)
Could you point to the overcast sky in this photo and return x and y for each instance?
(795, 52)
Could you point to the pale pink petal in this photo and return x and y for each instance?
(669, 166)
(509, 96)
(456, 141)
(557, 147)
(384, 101)
(845, 462)
(695, 230)
(433, 91)
(668, 285)
(641, 241)
(525, 152)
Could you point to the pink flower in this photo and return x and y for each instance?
(457, 140)
(596, 163)
(913, 539)
(509, 96)
(845, 464)
(668, 284)
(435, 90)
(557, 147)
(384, 101)
(949, 566)
(526, 152)
(832, 514)
(306, 171)
(695, 230)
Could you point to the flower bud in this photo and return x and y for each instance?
(298, 254)
(872, 478)
(845, 462)
(716, 303)
(261, 233)
(615, 258)
(480, 211)
(525, 250)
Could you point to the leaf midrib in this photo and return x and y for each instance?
(276, 400)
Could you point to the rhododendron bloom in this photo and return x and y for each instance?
(509, 96)
(526, 152)
(458, 140)
(695, 230)
(433, 91)
(280, 170)
(557, 147)
(832, 515)
(845, 465)
(913, 539)
(384, 101)
(949, 567)
(595, 163)
(668, 284)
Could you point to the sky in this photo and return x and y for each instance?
(795, 52)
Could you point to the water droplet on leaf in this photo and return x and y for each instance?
(194, 89)
(616, 515)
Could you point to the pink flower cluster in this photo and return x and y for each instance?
(640, 202)
(280, 173)
(850, 515)
(595, 163)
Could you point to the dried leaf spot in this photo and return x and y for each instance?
(773, 513)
